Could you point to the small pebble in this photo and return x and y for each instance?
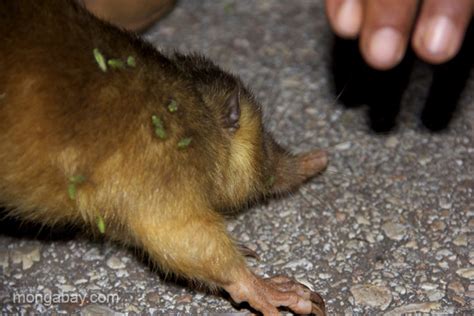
(324, 276)
(460, 240)
(303, 262)
(458, 299)
(467, 273)
(96, 309)
(115, 263)
(184, 299)
(4, 258)
(414, 308)
(456, 286)
(445, 203)
(66, 288)
(438, 226)
(343, 146)
(391, 142)
(26, 255)
(372, 295)
(394, 231)
(92, 254)
(435, 295)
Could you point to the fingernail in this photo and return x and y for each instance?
(305, 306)
(386, 48)
(349, 18)
(439, 37)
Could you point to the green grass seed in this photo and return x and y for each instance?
(183, 143)
(72, 186)
(160, 132)
(173, 106)
(131, 61)
(77, 179)
(71, 191)
(156, 120)
(116, 63)
(100, 59)
(101, 224)
(159, 128)
(270, 181)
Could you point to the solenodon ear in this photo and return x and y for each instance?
(232, 111)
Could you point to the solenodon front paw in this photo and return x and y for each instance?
(266, 295)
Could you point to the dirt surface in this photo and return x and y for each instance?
(388, 228)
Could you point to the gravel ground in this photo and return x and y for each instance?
(386, 229)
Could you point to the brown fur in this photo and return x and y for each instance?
(61, 116)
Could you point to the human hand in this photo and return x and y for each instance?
(384, 28)
(133, 15)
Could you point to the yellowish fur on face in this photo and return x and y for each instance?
(243, 171)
